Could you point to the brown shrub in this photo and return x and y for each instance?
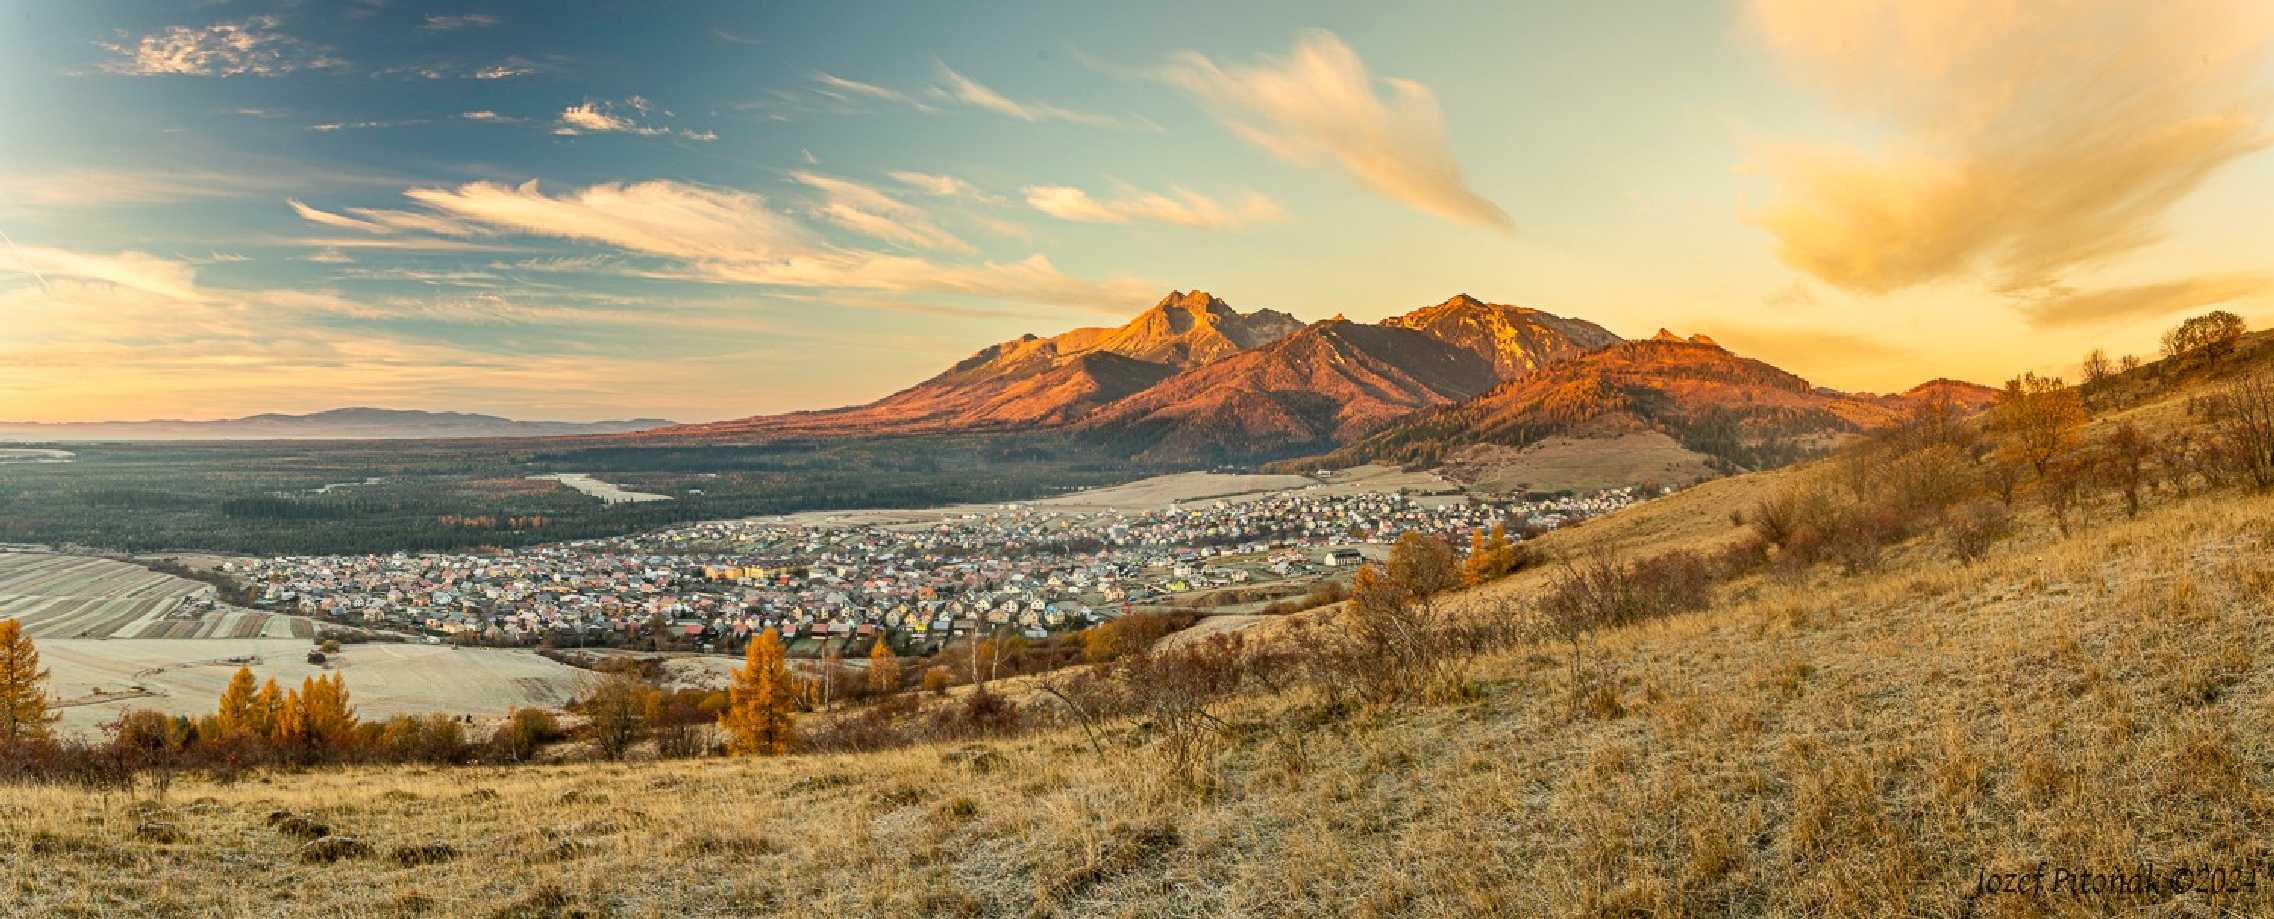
(1975, 526)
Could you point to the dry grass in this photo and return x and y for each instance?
(1820, 745)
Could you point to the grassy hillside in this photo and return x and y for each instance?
(1820, 744)
(1809, 742)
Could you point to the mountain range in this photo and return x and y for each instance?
(358, 423)
(1192, 380)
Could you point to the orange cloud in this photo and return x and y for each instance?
(1319, 105)
(2069, 308)
(2026, 142)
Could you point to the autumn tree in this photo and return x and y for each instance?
(2213, 333)
(884, 667)
(236, 714)
(761, 714)
(24, 714)
(2097, 367)
(1423, 564)
(1490, 556)
(267, 710)
(316, 717)
(2040, 417)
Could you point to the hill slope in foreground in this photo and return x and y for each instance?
(1809, 744)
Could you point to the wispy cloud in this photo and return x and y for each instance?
(490, 117)
(135, 271)
(1320, 106)
(734, 38)
(1179, 207)
(328, 127)
(248, 47)
(384, 221)
(840, 87)
(2022, 143)
(942, 186)
(867, 211)
(973, 93)
(455, 23)
(2059, 308)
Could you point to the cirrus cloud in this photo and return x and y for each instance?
(1179, 207)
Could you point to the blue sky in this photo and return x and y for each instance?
(229, 207)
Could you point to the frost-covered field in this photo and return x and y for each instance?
(72, 596)
(95, 679)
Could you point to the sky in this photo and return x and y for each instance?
(712, 210)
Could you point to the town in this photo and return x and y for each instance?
(837, 588)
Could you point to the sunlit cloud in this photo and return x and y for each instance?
(865, 210)
(731, 236)
(605, 117)
(134, 271)
(2022, 143)
(940, 186)
(384, 221)
(1179, 207)
(2060, 308)
(248, 47)
(1319, 106)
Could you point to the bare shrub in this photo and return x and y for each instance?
(2247, 429)
(1975, 526)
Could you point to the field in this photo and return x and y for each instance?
(68, 596)
(1579, 463)
(116, 635)
(98, 679)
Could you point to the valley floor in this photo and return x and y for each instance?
(1819, 745)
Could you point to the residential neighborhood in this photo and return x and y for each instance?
(828, 586)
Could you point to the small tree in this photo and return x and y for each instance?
(884, 667)
(1423, 565)
(2248, 427)
(761, 714)
(2040, 417)
(615, 713)
(267, 711)
(235, 715)
(2096, 367)
(1490, 556)
(24, 713)
(2213, 333)
(936, 680)
(2126, 462)
(327, 718)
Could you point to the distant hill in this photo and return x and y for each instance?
(337, 424)
(1740, 411)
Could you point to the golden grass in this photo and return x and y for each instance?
(1821, 745)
